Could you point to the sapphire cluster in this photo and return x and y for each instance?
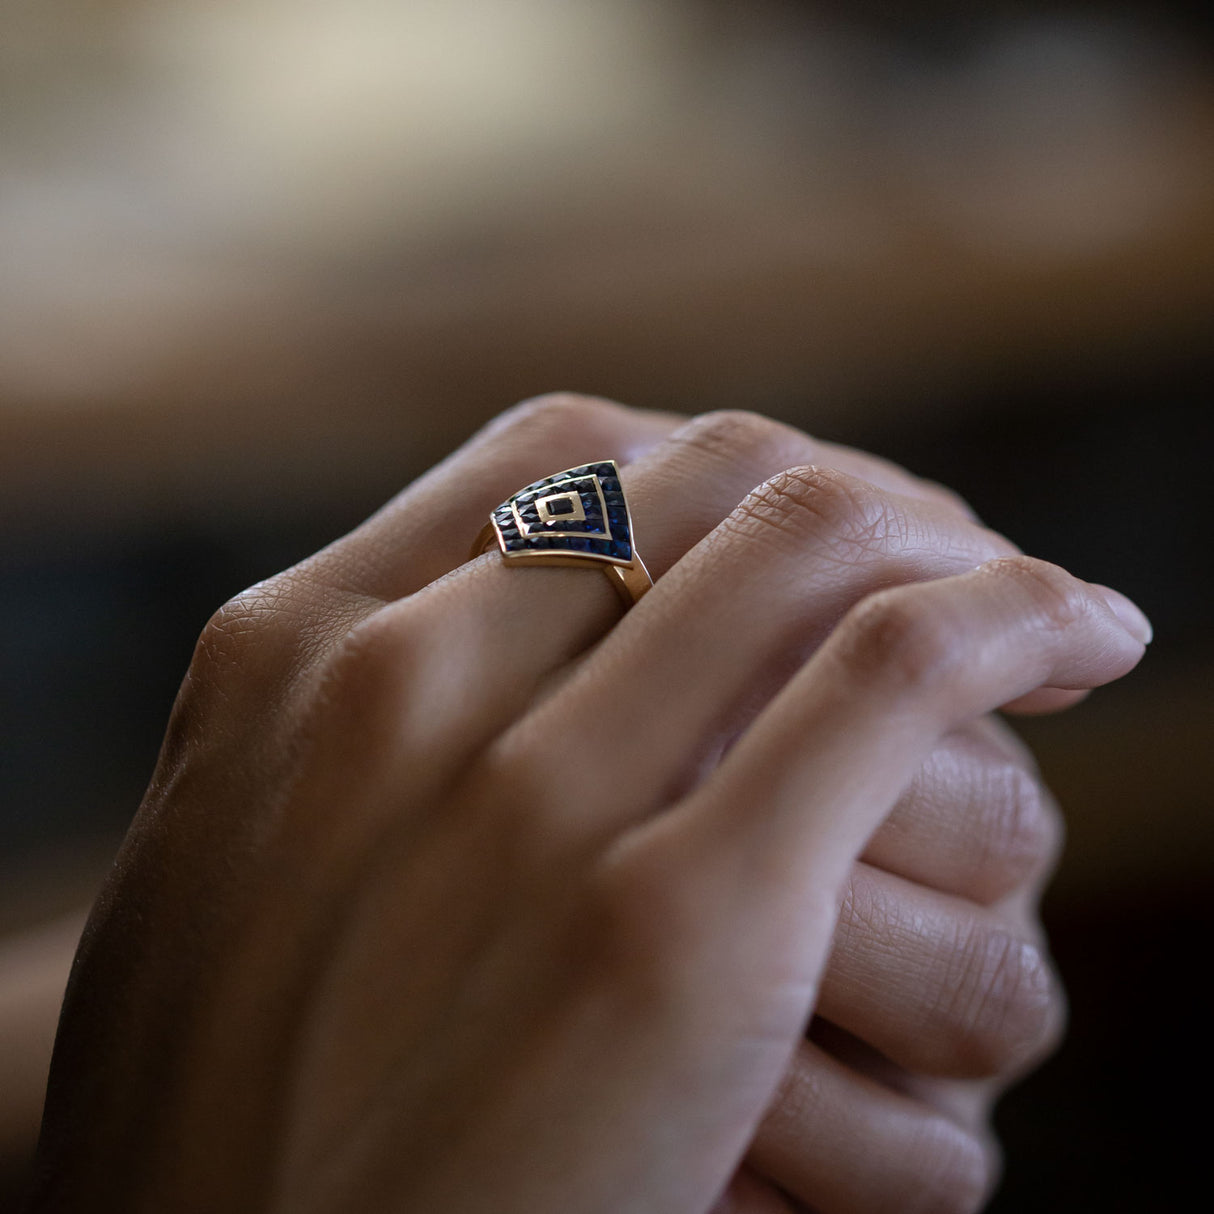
(603, 531)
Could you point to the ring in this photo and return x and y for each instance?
(576, 517)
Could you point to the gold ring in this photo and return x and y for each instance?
(576, 517)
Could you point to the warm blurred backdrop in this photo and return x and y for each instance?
(262, 261)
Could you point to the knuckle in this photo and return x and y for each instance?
(504, 794)
(949, 1171)
(845, 519)
(555, 414)
(1000, 1002)
(371, 679)
(241, 677)
(259, 625)
(1058, 598)
(733, 434)
(1022, 828)
(510, 775)
(894, 639)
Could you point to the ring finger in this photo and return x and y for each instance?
(976, 821)
(515, 628)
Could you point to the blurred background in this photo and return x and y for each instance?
(262, 262)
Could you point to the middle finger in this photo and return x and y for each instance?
(510, 630)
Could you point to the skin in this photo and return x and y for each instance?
(456, 891)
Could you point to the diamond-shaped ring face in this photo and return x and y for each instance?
(579, 512)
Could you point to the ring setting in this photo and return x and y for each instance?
(574, 517)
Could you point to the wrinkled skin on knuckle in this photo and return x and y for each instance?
(939, 1166)
(999, 1006)
(731, 436)
(835, 518)
(253, 651)
(979, 1002)
(1022, 830)
(238, 693)
(253, 630)
(975, 820)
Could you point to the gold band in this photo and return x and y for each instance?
(577, 517)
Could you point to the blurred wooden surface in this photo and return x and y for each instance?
(766, 206)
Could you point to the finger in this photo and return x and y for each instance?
(968, 1102)
(725, 628)
(426, 530)
(1044, 700)
(749, 1193)
(1057, 699)
(905, 666)
(842, 1143)
(681, 489)
(936, 984)
(975, 820)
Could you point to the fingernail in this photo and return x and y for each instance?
(1132, 619)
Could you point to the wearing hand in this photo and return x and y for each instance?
(443, 896)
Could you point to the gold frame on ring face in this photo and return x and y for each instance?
(576, 513)
(605, 534)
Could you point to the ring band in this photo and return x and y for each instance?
(576, 517)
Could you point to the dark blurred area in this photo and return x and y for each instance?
(261, 263)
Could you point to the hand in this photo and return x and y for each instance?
(938, 961)
(415, 916)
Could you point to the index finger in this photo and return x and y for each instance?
(768, 839)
